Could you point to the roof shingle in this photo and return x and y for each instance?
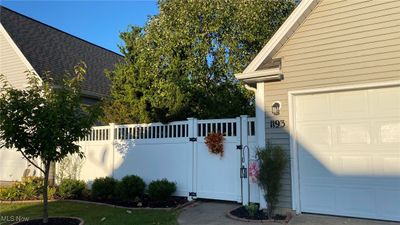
(50, 49)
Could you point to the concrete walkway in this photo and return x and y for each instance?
(214, 213)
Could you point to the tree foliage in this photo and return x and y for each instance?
(182, 62)
(44, 121)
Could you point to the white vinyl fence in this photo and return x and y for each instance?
(176, 151)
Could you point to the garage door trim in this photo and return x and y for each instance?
(293, 147)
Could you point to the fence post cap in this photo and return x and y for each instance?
(244, 116)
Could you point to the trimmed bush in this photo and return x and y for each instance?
(71, 189)
(130, 187)
(160, 190)
(103, 188)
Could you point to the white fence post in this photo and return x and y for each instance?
(239, 141)
(111, 141)
(245, 160)
(192, 149)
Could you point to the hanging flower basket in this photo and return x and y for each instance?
(215, 143)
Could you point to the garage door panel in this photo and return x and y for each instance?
(347, 104)
(312, 107)
(355, 165)
(318, 166)
(314, 134)
(347, 196)
(389, 132)
(320, 198)
(390, 166)
(386, 102)
(388, 203)
(349, 160)
(354, 133)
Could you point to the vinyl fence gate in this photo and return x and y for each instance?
(176, 151)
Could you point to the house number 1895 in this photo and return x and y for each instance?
(277, 123)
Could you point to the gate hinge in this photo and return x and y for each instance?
(192, 194)
(239, 147)
(193, 139)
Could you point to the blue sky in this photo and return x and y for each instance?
(99, 22)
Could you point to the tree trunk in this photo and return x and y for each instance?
(45, 186)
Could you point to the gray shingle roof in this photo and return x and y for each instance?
(50, 49)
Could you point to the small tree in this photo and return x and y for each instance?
(273, 161)
(45, 120)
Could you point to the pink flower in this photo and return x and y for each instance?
(254, 171)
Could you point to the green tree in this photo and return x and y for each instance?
(182, 62)
(45, 121)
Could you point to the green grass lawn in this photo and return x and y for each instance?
(90, 213)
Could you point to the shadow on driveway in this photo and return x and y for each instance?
(214, 213)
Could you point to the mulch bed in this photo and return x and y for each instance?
(52, 221)
(145, 202)
(241, 212)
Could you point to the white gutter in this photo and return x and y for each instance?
(250, 88)
(268, 75)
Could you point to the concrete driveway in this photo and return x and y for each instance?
(214, 213)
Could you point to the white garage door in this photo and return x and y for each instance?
(348, 147)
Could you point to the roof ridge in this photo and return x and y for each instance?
(54, 28)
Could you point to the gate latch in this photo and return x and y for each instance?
(239, 147)
(193, 139)
(192, 194)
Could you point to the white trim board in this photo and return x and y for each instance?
(294, 164)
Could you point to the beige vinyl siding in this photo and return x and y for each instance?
(340, 43)
(11, 65)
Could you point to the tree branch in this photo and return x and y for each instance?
(31, 162)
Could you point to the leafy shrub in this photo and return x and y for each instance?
(130, 187)
(29, 188)
(70, 188)
(273, 161)
(252, 209)
(51, 192)
(10, 193)
(160, 190)
(103, 188)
